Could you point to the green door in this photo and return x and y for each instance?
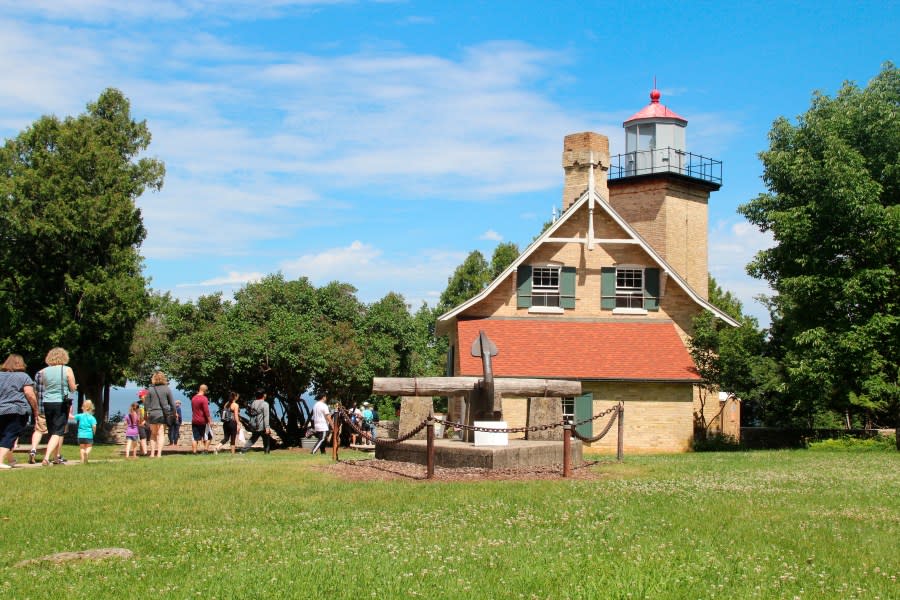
(584, 409)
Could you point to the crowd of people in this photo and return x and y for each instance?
(46, 401)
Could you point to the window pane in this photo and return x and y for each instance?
(629, 288)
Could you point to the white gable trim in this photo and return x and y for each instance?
(547, 237)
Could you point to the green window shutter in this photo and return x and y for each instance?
(584, 409)
(651, 289)
(608, 288)
(567, 287)
(523, 285)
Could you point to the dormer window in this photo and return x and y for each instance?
(545, 287)
(629, 289)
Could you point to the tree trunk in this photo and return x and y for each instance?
(453, 386)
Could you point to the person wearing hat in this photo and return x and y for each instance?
(368, 420)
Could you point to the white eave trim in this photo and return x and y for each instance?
(547, 236)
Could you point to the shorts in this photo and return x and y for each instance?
(229, 428)
(86, 441)
(132, 438)
(40, 424)
(199, 432)
(143, 432)
(10, 428)
(57, 418)
(159, 419)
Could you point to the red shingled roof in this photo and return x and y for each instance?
(655, 110)
(578, 350)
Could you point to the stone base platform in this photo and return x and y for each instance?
(455, 454)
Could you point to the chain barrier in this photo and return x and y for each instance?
(461, 426)
(599, 436)
(381, 441)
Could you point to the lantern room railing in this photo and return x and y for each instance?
(665, 160)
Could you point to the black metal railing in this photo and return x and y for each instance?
(665, 160)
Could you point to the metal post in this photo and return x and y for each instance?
(429, 461)
(620, 443)
(567, 450)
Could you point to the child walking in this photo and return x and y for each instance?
(132, 433)
(87, 426)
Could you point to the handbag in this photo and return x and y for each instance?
(63, 383)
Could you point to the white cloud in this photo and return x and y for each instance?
(231, 280)
(491, 235)
(732, 245)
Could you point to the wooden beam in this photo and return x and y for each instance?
(451, 386)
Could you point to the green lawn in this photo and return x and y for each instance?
(795, 524)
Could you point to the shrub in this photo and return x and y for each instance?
(716, 442)
(877, 443)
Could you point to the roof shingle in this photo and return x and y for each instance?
(579, 350)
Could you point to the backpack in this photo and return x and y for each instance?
(227, 415)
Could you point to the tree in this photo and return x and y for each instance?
(833, 207)
(70, 240)
(504, 255)
(467, 280)
(733, 359)
(474, 274)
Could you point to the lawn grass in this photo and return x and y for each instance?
(790, 524)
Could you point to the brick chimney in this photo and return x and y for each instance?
(576, 159)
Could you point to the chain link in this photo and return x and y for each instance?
(393, 441)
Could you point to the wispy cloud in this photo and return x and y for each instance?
(732, 245)
(491, 235)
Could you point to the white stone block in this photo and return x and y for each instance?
(489, 438)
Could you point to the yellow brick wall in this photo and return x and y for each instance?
(658, 416)
(675, 304)
(673, 217)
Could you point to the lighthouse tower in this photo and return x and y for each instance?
(663, 190)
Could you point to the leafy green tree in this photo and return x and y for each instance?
(468, 279)
(504, 255)
(833, 208)
(733, 359)
(69, 240)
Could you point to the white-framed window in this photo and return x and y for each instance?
(629, 287)
(545, 286)
(568, 410)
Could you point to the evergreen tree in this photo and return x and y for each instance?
(70, 240)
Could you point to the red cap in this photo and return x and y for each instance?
(142, 393)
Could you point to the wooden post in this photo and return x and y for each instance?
(429, 461)
(620, 442)
(567, 450)
(335, 438)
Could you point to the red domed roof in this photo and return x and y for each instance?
(655, 110)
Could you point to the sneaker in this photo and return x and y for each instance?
(5, 466)
(60, 460)
(32, 457)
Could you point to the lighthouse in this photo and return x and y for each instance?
(663, 190)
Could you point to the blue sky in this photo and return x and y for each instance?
(379, 142)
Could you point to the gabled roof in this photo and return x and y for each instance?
(585, 350)
(629, 232)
